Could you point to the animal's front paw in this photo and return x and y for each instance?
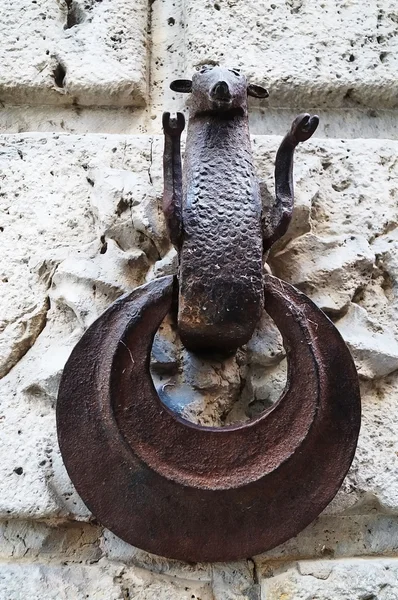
(303, 127)
(174, 125)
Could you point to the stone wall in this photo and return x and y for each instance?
(82, 87)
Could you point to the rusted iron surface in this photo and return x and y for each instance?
(214, 212)
(206, 494)
(162, 483)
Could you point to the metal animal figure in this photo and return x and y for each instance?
(159, 482)
(214, 212)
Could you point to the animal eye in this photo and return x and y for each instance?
(235, 72)
(204, 69)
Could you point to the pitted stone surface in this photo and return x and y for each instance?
(116, 239)
(79, 227)
(235, 581)
(40, 223)
(102, 580)
(374, 347)
(116, 550)
(35, 540)
(54, 216)
(354, 579)
(343, 263)
(74, 52)
(355, 200)
(369, 534)
(288, 47)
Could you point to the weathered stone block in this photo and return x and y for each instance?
(374, 347)
(288, 47)
(46, 581)
(53, 582)
(115, 549)
(79, 227)
(348, 254)
(235, 581)
(334, 536)
(37, 540)
(53, 230)
(74, 52)
(96, 202)
(354, 579)
(343, 263)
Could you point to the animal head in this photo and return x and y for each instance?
(218, 89)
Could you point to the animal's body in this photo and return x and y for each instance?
(214, 212)
(221, 253)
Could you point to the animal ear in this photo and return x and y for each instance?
(181, 85)
(257, 91)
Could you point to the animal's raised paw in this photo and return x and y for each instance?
(173, 125)
(303, 127)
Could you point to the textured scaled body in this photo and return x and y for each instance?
(221, 255)
(214, 212)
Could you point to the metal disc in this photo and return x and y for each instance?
(197, 493)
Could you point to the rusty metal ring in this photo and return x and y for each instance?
(197, 493)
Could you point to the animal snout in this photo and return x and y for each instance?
(220, 91)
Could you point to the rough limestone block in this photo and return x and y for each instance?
(74, 52)
(36, 216)
(374, 475)
(144, 585)
(35, 540)
(43, 581)
(115, 549)
(349, 186)
(266, 350)
(354, 579)
(344, 262)
(288, 47)
(235, 581)
(385, 247)
(348, 255)
(374, 348)
(369, 534)
(97, 201)
(60, 251)
(50, 219)
(53, 582)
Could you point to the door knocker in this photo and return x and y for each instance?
(156, 480)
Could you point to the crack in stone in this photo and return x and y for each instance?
(150, 161)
